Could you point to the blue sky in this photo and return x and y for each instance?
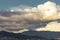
(6, 4)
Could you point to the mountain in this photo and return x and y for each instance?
(12, 36)
(46, 34)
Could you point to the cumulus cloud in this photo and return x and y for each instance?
(46, 11)
(33, 15)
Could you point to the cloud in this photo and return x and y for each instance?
(46, 11)
(32, 15)
(52, 26)
(20, 8)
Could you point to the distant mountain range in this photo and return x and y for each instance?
(18, 36)
(13, 36)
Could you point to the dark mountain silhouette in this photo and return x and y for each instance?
(46, 34)
(18, 36)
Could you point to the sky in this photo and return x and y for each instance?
(6, 4)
